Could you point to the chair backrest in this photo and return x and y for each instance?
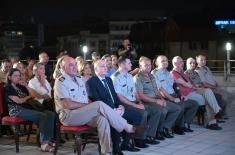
(177, 89)
(3, 106)
(1, 99)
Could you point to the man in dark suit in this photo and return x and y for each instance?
(100, 88)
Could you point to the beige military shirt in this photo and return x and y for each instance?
(206, 75)
(68, 87)
(145, 84)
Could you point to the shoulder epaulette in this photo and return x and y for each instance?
(61, 78)
(116, 73)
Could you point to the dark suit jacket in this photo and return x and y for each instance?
(97, 91)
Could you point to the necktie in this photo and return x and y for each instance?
(107, 87)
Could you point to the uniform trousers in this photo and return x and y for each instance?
(169, 114)
(100, 115)
(189, 110)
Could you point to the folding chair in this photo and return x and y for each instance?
(81, 136)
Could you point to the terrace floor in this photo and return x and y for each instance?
(202, 141)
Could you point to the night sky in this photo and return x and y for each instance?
(70, 10)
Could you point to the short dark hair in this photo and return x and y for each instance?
(122, 59)
(200, 55)
(10, 74)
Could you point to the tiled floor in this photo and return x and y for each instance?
(201, 141)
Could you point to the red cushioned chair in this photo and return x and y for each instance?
(84, 134)
(14, 122)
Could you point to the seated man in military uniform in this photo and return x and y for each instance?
(126, 91)
(224, 97)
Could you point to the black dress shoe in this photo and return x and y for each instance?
(141, 144)
(117, 152)
(213, 127)
(166, 133)
(152, 141)
(179, 131)
(129, 148)
(159, 136)
(187, 129)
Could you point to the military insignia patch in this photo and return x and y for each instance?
(62, 79)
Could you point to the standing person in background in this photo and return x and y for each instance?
(129, 51)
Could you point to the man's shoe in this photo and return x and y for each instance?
(159, 136)
(129, 148)
(140, 144)
(187, 129)
(166, 133)
(179, 131)
(213, 127)
(117, 152)
(152, 141)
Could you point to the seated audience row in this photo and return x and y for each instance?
(145, 107)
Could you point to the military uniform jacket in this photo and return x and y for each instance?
(124, 85)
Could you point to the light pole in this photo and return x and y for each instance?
(84, 50)
(228, 49)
